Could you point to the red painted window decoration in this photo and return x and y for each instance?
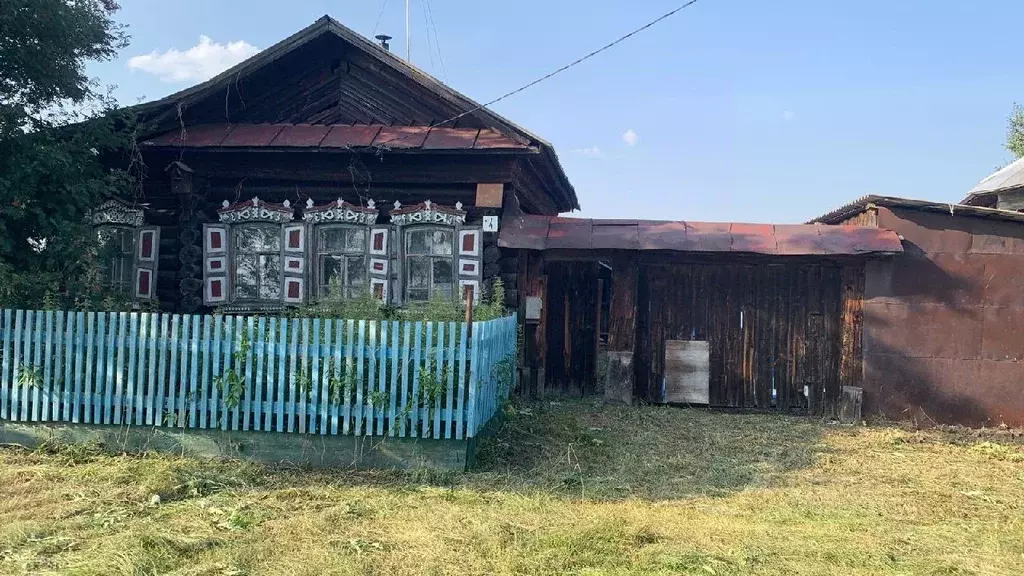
(378, 241)
(468, 268)
(216, 264)
(216, 289)
(294, 290)
(468, 291)
(469, 243)
(379, 266)
(146, 245)
(144, 283)
(294, 264)
(378, 290)
(295, 239)
(216, 240)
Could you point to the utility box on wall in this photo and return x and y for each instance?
(534, 305)
(687, 379)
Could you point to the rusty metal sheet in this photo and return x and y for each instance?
(921, 331)
(244, 135)
(450, 139)
(928, 231)
(574, 233)
(1002, 339)
(615, 236)
(350, 136)
(996, 237)
(301, 135)
(200, 135)
(950, 279)
(753, 238)
(865, 239)
(488, 139)
(526, 232)
(801, 239)
(662, 236)
(708, 237)
(402, 136)
(1003, 281)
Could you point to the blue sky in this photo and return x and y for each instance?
(732, 110)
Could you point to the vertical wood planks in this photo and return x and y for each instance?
(37, 364)
(474, 380)
(260, 344)
(116, 358)
(247, 396)
(460, 399)
(303, 377)
(382, 369)
(182, 392)
(360, 350)
(282, 376)
(157, 406)
(193, 374)
(47, 395)
(5, 369)
(313, 379)
(450, 389)
(59, 359)
(26, 367)
(172, 374)
(393, 392)
(325, 377)
(217, 374)
(341, 390)
(438, 381)
(128, 402)
(271, 349)
(83, 371)
(350, 376)
(228, 334)
(290, 397)
(204, 385)
(16, 360)
(141, 368)
(414, 422)
(68, 347)
(406, 367)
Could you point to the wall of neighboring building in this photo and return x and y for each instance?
(942, 323)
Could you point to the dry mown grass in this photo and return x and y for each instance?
(564, 488)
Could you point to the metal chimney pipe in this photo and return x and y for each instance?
(384, 41)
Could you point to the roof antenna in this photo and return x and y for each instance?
(384, 41)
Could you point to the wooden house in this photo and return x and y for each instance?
(323, 160)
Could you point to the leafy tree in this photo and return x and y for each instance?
(1015, 131)
(59, 136)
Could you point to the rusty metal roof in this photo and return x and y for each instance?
(337, 136)
(862, 203)
(533, 232)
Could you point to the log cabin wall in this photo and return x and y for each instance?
(772, 329)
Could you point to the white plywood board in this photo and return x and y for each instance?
(687, 379)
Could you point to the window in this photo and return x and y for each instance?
(257, 262)
(117, 253)
(429, 263)
(341, 259)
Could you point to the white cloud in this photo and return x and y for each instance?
(200, 62)
(590, 152)
(630, 137)
(788, 115)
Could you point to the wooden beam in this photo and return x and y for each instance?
(622, 315)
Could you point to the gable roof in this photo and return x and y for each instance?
(411, 97)
(1007, 178)
(861, 204)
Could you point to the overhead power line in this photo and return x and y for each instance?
(383, 5)
(550, 75)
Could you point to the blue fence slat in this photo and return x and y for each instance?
(474, 375)
(193, 373)
(59, 360)
(26, 366)
(17, 360)
(260, 350)
(270, 339)
(282, 376)
(360, 347)
(302, 377)
(216, 335)
(392, 386)
(5, 368)
(128, 400)
(290, 395)
(350, 375)
(158, 401)
(83, 367)
(37, 365)
(426, 369)
(153, 357)
(406, 408)
(68, 349)
(314, 377)
(183, 392)
(460, 396)
(139, 369)
(325, 376)
(382, 371)
(339, 383)
(227, 337)
(46, 398)
(168, 411)
(439, 370)
(113, 367)
(450, 384)
(204, 386)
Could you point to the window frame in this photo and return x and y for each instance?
(126, 258)
(452, 258)
(319, 252)
(236, 253)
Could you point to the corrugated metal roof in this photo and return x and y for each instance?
(1006, 178)
(533, 232)
(333, 136)
(860, 204)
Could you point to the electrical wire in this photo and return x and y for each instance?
(383, 5)
(437, 40)
(558, 71)
(430, 45)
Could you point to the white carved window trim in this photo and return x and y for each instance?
(427, 216)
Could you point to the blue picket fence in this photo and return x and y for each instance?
(441, 380)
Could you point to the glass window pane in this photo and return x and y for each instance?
(356, 270)
(442, 271)
(331, 239)
(246, 276)
(270, 239)
(246, 240)
(442, 242)
(355, 240)
(125, 272)
(417, 242)
(419, 273)
(270, 276)
(330, 270)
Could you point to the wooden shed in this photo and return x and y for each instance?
(752, 316)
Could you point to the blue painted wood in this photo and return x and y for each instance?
(170, 410)
(303, 378)
(153, 358)
(217, 327)
(159, 401)
(350, 376)
(26, 365)
(392, 383)
(460, 396)
(182, 391)
(17, 355)
(5, 370)
(94, 388)
(339, 384)
(193, 374)
(80, 410)
(427, 369)
(270, 339)
(282, 376)
(141, 369)
(37, 365)
(406, 407)
(360, 347)
(325, 376)
(474, 379)
(439, 369)
(46, 398)
(119, 360)
(128, 401)
(382, 374)
(205, 347)
(59, 398)
(250, 360)
(260, 343)
(291, 396)
(314, 377)
(238, 370)
(369, 407)
(227, 337)
(449, 401)
(69, 329)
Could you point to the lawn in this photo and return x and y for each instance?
(568, 487)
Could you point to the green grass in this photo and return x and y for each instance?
(569, 487)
